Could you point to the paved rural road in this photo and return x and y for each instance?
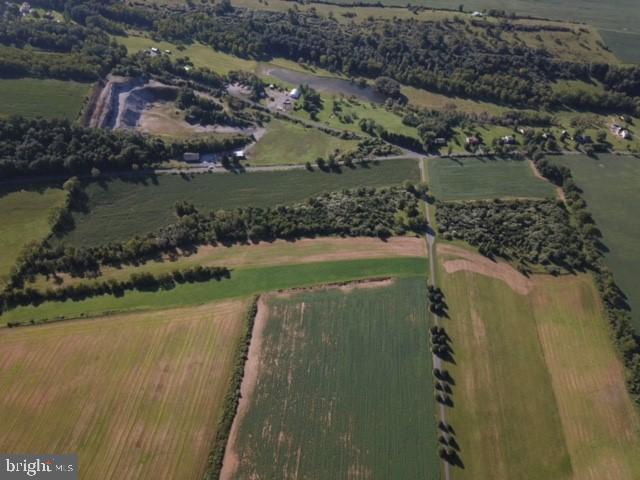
(437, 362)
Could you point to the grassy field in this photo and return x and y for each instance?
(339, 388)
(135, 396)
(278, 252)
(31, 97)
(539, 391)
(24, 216)
(481, 178)
(122, 208)
(204, 56)
(356, 110)
(610, 185)
(289, 143)
(244, 282)
(623, 44)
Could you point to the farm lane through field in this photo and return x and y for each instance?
(430, 238)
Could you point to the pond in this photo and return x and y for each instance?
(325, 84)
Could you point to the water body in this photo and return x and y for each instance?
(325, 84)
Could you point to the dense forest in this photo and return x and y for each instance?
(445, 56)
(526, 231)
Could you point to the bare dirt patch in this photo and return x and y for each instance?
(249, 381)
(473, 262)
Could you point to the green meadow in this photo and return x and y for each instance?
(477, 178)
(24, 217)
(244, 282)
(290, 143)
(611, 187)
(33, 97)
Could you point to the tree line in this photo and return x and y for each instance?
(145, 281)
(360, 212)
(53, 147)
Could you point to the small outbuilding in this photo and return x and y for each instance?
(295, 93)
(191, 157)
(239, 154)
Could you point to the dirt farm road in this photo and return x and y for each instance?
(437, 362)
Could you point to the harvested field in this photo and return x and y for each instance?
(136, 396)
(338, 386)
(539, 389)
(279, 252)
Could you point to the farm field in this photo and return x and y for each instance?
(32, 97)
(122, 208)
(347, 369)
(539, 390)
(138, 393)
(24, 216)
(481, 178)
(289, 143)
(610, 188)
(613, 15)
(623, 44)
(278, 252)
(244, 282)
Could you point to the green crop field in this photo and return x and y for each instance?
(135, 396)
(120, 209)
(24, 216)
(623, 44)
(343, 387)
(243, 283)
(32, 97)
(611, 189)
(614, 15)
(289, 143)
(482, 178)
(539, 390)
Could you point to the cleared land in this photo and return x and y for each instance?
(244, 282)
(204, 56)
(122, 208)
(481, 178)
(610, 187)
(136, 396)
(24, 216)
(32, 97)
(539, 391)
(279, 252)
(338, 386)
(289, 143)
